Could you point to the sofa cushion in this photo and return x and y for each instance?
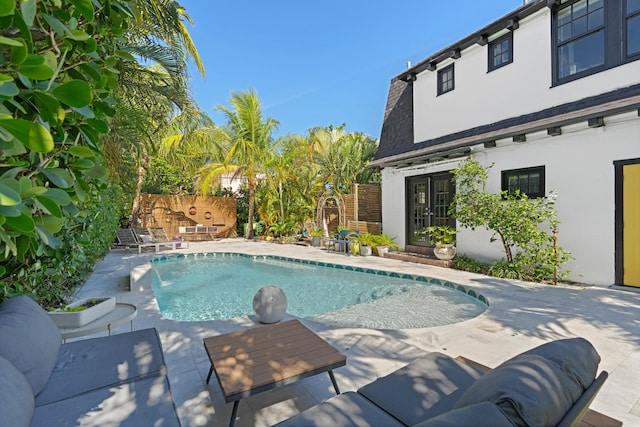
(575, 356)
(479, 414)
(422, 389)
(16, 396)
(103, 362)
(347, 410)
(530, 389)
(144, 402)
(29, 339)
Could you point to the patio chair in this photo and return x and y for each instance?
(341, 242)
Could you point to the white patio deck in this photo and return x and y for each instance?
(521, 316)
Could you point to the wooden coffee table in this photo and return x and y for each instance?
(254, 360)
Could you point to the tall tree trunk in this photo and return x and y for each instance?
(135, 209)
(252, 183)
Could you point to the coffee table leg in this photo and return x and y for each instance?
(234, 413)
(333, 380)
(210, 372)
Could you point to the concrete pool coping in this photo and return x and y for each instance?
(521, 315)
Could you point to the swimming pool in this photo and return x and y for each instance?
(217, 285)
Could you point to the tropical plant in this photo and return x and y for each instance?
(383, 239)
(342, 157)
(516, 221)
(63, 62)
(242, 147)
(366, 239)
(441, 234)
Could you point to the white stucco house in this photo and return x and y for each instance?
(549, 94)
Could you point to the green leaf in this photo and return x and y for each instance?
(33, 192)
(80, 193)
(7, 7)
(36, 68)
(98, 125)
(9, 241)
(126, 56)
(23, 223)
(80, 151)
(19, 53)
(61, 197)
(57, 26)
(79, 35)
(85, 7)
(97, 172)
(10, 211)
(49, 206)
(85, 112)
(48, 238)
(9, 42)
(59, 177)
(75, 93)
(92, 70)
(3, 270)
(8, 196)
(49, 223)
(33, 135)
(28, 9)
(83, 164)
(8, 88)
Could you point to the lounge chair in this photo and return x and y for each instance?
(550, 385)
(154, 238)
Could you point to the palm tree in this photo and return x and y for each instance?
(243, 147)
(151, 98)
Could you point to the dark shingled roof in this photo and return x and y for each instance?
(397, 128)
(397, 136)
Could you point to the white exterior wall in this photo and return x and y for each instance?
(578, 165)
(522, 87)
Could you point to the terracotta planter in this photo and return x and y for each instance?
(444, 252)
(77, 319)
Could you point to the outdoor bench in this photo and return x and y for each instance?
(113, 380)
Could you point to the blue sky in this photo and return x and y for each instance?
(316, 63)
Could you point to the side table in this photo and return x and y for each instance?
(121, 314)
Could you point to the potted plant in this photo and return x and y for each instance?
(80, 313)
(366, 243)
(383, 243)
(442, 237)
(316, 237)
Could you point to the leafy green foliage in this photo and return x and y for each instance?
(526, 228)
(57, 74)
(166, 178)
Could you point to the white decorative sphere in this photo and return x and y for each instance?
(270, 304)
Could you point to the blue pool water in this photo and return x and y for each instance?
(215, 286)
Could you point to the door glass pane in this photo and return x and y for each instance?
(633, 6)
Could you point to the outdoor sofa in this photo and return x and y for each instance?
(550, 385)
(117, 380)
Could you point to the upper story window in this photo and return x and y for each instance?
(445, 80)
(580, 35)
(590, 37)
(529, 181)
(501, 51)
(633, 27)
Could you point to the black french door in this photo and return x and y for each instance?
(428, 200)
